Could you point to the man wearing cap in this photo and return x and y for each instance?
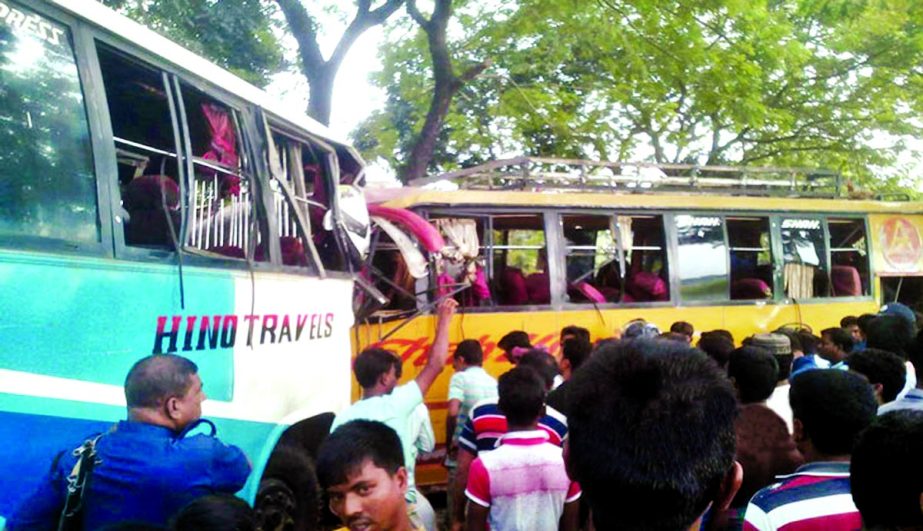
(781, 348)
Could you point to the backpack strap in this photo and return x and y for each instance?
(76, 484)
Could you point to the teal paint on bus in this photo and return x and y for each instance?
(91, 319)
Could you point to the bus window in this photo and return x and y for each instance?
(142, 128)
(301, 181)
(751, 258)
(591, 259)
(302, 163)
(849, 261)
(222, 220)
(805, 258)
(519, 260)
(702, 260)
(47, 179)
(642, 241)
(392, 276)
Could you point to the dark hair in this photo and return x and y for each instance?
(839, 337)
(576, 351)
(848, 321)
(833, 406)
(627, 403)
(682, 327)
(886, 471)
(717, 346)
(156, 378)
(578, 332)
(890, 332)
(674, 336)
(880, 367)
(522, 395)
(516, 338)
(289, 477)
(542, 363)
(215, 512)
(470, 351)
(755, 372)
(864, 320)
(808, 341)
(372, 363)
(724, 333)
(347, 448)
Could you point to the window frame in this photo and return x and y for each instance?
(280, 126)
(89, 86)
(677, 278)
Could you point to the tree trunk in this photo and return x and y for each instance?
(425, 144)
(446, 84)
(320, 98)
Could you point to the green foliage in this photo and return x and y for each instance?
(814, 83)
(236, 34)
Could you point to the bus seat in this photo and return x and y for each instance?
(538, 288)
(846, 281)
(514, 290)
(750, 288)
(292, 251)
(148, 200)
(645, 286)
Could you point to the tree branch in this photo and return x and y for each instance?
(304, 30)
(417, 16)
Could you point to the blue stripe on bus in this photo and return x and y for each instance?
(90, 319)
(29, 443)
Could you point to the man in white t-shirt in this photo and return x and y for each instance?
(378, 372)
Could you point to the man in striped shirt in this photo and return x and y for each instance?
(830, 410)
(522, 484)
(486, 424)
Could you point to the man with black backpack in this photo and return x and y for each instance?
(145, 468)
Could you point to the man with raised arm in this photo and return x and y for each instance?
(377, 371)
(147, 468)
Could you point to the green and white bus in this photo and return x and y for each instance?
(153, 202)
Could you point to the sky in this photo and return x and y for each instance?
(355, 98)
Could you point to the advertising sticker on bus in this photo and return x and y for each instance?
(901, 246)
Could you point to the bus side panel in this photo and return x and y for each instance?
(91, 319)
(412, 342)
(74, 326)
(897, 248)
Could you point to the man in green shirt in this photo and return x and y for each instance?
(378, 372)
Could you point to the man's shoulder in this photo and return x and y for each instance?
(800, 487)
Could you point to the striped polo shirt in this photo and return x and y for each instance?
(816, 496)
(486, 425)
(523, 482)
(469, 387)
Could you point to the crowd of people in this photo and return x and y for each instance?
(644, 430)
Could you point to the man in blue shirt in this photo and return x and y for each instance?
(147, 469)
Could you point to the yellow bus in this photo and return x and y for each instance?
(539, 244)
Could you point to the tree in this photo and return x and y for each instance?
(321, 73)
(446, 85)
(794, 82)
(236, 34)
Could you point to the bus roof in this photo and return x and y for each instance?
(110, 21)
(411, 197)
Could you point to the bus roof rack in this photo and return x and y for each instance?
(547, 174)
